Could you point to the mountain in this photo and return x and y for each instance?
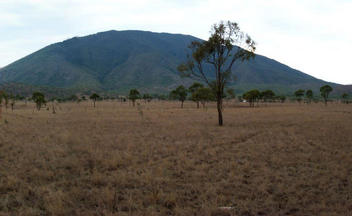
(116, 61)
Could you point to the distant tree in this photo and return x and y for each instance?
(6, 99)
(230, 93)
(299, 94)
(147, 98)
(83, 98)
(162, 97)
(193, 89)
(251, 96)
(19, 97)
(73, 98)
(12, 102)
(39, 99)
(282, 98)
(134, 95)
(325, 91)
(309, 95)
(267, 95)
(204, 95)
(344, 97)
(94, 97)
(226, 46)
(180, 93)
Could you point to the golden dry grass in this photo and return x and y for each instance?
(158, 159)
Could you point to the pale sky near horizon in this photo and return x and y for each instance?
(312, 36)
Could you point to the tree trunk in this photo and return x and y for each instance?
(219, 107)
(181, 104)
(94, 103)
(197, 104)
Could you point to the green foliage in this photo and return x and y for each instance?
(345, 97)
(267, 95)
(203, 95)
(309, 95)
(193, 90)
(94, 97)
(325, 91)
(195, 86)
(147, 97)
(180, 93)
(134, 95)
(39, 99)
(252, 96)
(299, 94)
(282, 98)
(221, 51)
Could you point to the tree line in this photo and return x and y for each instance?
(210, 62)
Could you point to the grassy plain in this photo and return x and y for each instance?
(158, 159)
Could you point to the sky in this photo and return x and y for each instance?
(312, 36)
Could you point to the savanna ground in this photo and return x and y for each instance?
(158, 159)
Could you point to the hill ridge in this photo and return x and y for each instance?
(120, 60)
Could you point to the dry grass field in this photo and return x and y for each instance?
(158, 159)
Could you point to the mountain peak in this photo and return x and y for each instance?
(120, 60)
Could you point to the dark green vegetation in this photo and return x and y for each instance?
(134, 95)
(39, 99)
(180, 93)
(325, 91)
(116, 61)
(94, 97)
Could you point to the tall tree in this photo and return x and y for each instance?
(94, 97)
(325, 91)
(180, 93)
(134, 95)
(39, 99)
(226, 45)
